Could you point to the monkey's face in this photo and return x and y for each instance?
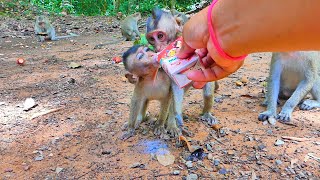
(142, 62)
(158, 39)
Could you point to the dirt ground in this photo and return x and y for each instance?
(74, 131)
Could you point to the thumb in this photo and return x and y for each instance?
(185, 51)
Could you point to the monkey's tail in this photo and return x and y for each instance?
(67, 36)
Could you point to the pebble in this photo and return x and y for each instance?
(192, 177)
(279, 142)
(106, 152)
(223, 171)
(58, 170)
(216, 162)
(261, 147)
(176, 172)
(210, 156)
(259, 163)
(239, 83)
(109, 112)
(208, 146)
(278, 162)
(265, 123)
(302, 175)
(136, 165)
(189, 164)
(272, 120)
(269, 131)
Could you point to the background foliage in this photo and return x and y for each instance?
(89, 7)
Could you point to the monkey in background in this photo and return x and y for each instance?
(129, 27)
(292, 75)
(162, 29)
(141, 69)
(45, 31)
(180, 17)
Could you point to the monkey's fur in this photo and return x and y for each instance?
(292, 75)
(129, 26)
(45, 31)
(162, 29)
(141, 73)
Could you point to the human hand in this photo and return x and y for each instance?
(196, 36)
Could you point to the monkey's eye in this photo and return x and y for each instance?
(140, 56)
(151, 39)
(160, 36)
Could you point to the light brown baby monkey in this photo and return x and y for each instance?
(142, 69)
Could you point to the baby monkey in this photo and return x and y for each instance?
(142, 70)
(292, 75)
(45, 31)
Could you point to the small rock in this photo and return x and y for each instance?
(39, 158)
(74, 65)
(239, 83)
(106, 152)
(272, 120)
(317, 143)
(259, 163)
(216, 162)
(176, 172)
(261, 147)
(230, 152)
(279, 142)
(269, 131)
(71, 81)
(109, 112)
(278, 162)
(210, 156)
(28, 104)
(137, 165)
(301, 175)
(223, 171)
(2, 103)
(58, 170)
(244, 80)
(265, 123)
(67, 135)
(50, 155)
(208, 146)
(189, 164)
(192, 177)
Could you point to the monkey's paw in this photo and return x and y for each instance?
(284, 116)
(127, 135)
(309, 104)
(209, 118)
(160, 131)
(264, 116)
(174, 131)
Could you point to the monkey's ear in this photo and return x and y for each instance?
(131, 78)
(179, 20)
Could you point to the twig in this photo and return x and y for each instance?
(218, 140)
(295, 138)
(44, 113)
(71, 50)
(137, 177)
